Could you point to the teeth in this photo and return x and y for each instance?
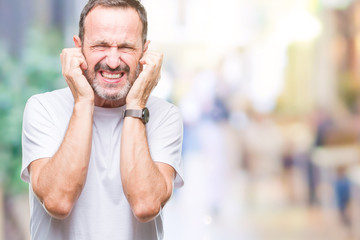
(109, 75)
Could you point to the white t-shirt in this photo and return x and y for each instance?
(102, 210)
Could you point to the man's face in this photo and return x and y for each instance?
(112, 47)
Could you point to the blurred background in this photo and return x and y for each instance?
(270, 95)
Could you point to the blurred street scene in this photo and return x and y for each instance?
(270, 96)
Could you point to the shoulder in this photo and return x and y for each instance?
(56, 100)
(159, 105)
(52, 104)
(163, 115)
(63, 96)
(162, 109)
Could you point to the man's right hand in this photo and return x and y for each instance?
(73, 64)
(57, 181)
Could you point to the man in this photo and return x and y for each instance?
(98, 167)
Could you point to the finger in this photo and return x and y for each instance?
(84, 65)
(73, 60)
(71, 52)
(151, 55)
(152, 62)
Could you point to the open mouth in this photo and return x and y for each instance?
(112, 77)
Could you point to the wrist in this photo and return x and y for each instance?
(83, 101)
(137, 106)
(84, 107)
(141, 114)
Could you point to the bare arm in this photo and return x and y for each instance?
(58, 181)
(147, 185)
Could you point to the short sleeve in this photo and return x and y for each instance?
(165, 142)
(40, 138)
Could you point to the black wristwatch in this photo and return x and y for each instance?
(143, 114)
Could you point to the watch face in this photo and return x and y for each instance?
(145, 115)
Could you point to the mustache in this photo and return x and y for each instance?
(103, 66)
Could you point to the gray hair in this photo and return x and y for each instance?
(135, 4)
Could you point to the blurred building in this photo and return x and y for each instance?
(17, 16)
(265, 88)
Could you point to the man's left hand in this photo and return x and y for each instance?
(146, 81)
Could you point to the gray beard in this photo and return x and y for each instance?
(102, 93)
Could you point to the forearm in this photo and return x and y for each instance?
(58, 181)
(144, 184)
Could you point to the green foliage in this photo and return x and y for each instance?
(38, 70)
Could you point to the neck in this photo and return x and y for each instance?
(100, 102)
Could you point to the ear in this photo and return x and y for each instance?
(77, 41)
(146, 45)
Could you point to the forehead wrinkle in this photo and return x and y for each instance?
(107, 29)
(106, 43)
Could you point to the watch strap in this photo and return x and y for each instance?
(142, 114)
(133, 113)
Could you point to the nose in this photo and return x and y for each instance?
(113, 58)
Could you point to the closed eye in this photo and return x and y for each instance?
(126, 48)
(99, 47)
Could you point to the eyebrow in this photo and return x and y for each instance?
(102, 42)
